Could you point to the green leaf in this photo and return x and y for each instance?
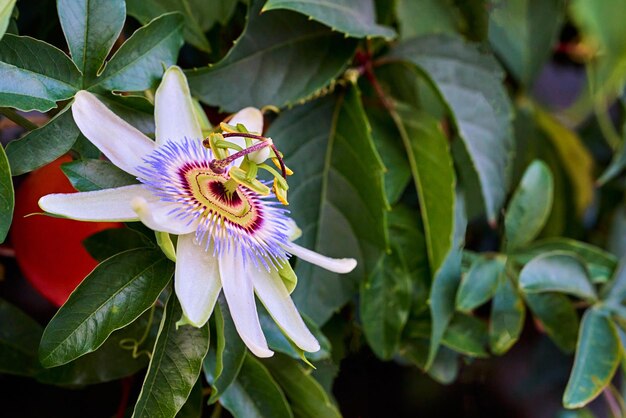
(579, 413)
(34, 75)
(597, 357)
(140, 62)
(19, 338)
(114, 359)
(445, 285)
(91, 27)
(385, 136)
(174, 367)
(6, 11)
(194, 12)
(557, 272)
(530, 206)
(7, 196)
(337, 190)
(107, 243)
(507, 317)
(575, 158)
(111, 297)
(471, 85)
(193, 406)
(600, 263)
(522, 32)
(468, 335)
(278, 67)
(426, 17)
(385, 303)
(433, 174)
(221, 367)
(615, 289)
(558, 317)
(480, 283)
(353, 17)
(43, 145)
(306, 396)
(255, 394)
(90, 175)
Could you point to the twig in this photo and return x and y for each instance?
(17, 118)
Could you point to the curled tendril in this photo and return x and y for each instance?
(133, 344)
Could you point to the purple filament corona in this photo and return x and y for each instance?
(241, 221)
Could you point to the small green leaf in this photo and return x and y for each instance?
(530, 206)
(507, 317)
(338, 191)
(91, 27)
(221, 367)
(90, 175)
(139, 63)
(306, 396)
(174, 367)
(194, 12)
(479, 284)
(468, 335)
(255, 394)
(7, 197)
(107, 243)
(295, 60)
(522, 32)
(353, 17)
(445, 285)
(111, 297)
(34, 75)
(19, 338)
(433, 174)
(6, 11)
(557, 272)
(558, 316)
(43, 145)
(601, 264)
(471, 85)
(597, 357)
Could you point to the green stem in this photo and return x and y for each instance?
(17, 118)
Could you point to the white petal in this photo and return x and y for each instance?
(196, 281)
(252, 119)
(156, 215)
(173, 109)
(336, 265)
(124, 145)
(101, 205)
(239, 293)
(272, 291)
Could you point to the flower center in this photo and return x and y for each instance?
(229, 216)
(220, 197)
